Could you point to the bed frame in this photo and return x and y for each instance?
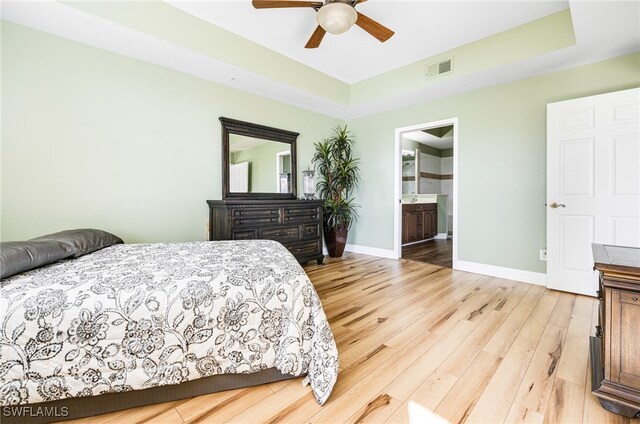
(109, 402)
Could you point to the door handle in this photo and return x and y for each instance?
(556, 205)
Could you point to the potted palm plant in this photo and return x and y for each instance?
(338, 175)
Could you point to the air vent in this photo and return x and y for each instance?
(439, 68)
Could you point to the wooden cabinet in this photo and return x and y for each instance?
(409, 226)
(430, 223)
(419, 222)
(294, 223)
(615, 351)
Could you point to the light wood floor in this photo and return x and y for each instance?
(424, 344)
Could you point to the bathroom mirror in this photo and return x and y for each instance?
(258, 162)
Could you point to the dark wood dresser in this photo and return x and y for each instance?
(297, 224)
(615, 351)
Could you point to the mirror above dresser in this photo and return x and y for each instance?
(259, 192)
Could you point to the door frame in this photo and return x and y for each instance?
(397, 192)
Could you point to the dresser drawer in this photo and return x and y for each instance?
(250, 217)
(310, 230)
(281, 234)
(303, 214)
(307, 248)
(245, 235)
(255, 213)
(630, 297)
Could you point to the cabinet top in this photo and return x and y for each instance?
(617, 261)
(263, 202)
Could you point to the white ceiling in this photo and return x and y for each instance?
(422, 29)
(430, 140)
(238, 143)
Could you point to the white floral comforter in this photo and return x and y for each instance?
(135, 316)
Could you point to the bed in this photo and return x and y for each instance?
(133, 324)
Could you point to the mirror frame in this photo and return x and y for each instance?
(234, 126)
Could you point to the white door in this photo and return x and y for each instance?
(239, 177)
(593, 184)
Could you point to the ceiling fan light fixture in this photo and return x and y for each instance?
(336, 18)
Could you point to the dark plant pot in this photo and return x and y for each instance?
(335, 241)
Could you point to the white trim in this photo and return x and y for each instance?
(373, 251)
(365, 250)
(441, 236)
(537, 278)
(397, 197)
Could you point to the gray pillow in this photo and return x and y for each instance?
(84, 240)
(21, 256)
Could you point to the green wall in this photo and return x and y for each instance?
(544, 35)
(95, 139)
(502, 161)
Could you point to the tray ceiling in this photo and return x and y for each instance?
(422, 29)
(350, 75)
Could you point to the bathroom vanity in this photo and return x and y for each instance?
(419, 222)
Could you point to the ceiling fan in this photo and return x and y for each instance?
(334, 16)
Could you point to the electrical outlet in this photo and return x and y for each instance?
(543, 254)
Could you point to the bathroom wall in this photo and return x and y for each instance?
(430, 164)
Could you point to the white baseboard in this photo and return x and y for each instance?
(441, 236)
(365, 250)
(373, 251)
(537, 278)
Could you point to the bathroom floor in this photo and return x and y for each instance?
(437, 252)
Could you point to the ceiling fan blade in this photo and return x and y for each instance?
(374, 28)
(272, 4)
(316, 38)
(360, 1)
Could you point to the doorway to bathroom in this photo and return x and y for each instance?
(426, 191)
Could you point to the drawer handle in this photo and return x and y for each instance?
(277, 234)
(241, 221)
(241, 213)
(273, 219)
(634, 298)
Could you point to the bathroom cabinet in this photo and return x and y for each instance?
(419, 222)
